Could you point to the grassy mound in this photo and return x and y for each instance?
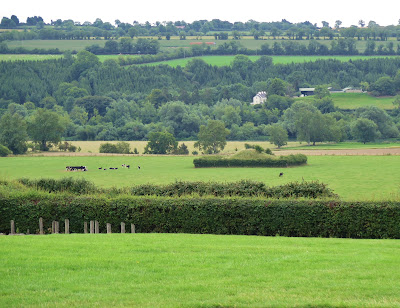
(250, 154)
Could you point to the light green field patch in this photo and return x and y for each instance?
(183, 270)
(227, 60)
(9, 57)
(352, 177)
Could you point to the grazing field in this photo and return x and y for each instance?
(9, 57)
(352, 101)
(227, 60)
(183, 270)
(62, 45)
(351, 177)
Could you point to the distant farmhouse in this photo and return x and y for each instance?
(306, 91)
(259, 98)
(310, 91)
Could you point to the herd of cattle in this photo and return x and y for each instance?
(84, 168)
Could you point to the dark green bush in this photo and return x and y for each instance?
(253, 216)
(4, 151)
(280, 161)
(120, 148)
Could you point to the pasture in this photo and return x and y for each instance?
(227, 60)
(62, 45)
(352, 101)
(183, 270)
(351, 177)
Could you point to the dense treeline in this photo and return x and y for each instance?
(105, 101)
(70, 29)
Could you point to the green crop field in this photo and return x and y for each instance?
(352, 177)
(183, 270)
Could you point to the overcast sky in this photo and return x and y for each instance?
(383, 12)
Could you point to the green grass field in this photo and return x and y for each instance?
(182, 270)
(352, 177)
(227, 60)
(352, 101)
(62, 45)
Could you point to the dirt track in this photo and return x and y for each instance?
(344, 152)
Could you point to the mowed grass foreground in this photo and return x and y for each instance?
(181, 270)
(352, 177)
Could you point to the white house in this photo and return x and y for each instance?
(260, 98)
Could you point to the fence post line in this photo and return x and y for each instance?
(91, 227)
(67, 226)
(12, 227)
(85, 227)
(109, 228)
(41, 226)
(96, 226)
(122, 227)
(133, 228)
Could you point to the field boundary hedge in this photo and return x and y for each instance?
(242, 188)
(273, 161)
(240, 216)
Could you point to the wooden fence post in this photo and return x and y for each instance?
(85, 227)
(122, 227)
(41, 232)
(96, 226)
(91, 227)
(109, 228)
(12, 227)
(133, 228)
(57, 227)
(67, 226)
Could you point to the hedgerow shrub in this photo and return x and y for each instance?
(280, 161)
(243, 188)
(4, 151)
(68, 184)
(244, 216)
(120, 148)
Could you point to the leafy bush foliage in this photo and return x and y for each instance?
(72, 185)
(4, 151)
(120, 148)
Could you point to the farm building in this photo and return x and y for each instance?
(306, 91)
(259, 98)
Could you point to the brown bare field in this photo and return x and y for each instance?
(343, 152)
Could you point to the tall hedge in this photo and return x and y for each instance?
(205, 215)
(273, 161)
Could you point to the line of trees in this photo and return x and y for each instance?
(70, 29)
